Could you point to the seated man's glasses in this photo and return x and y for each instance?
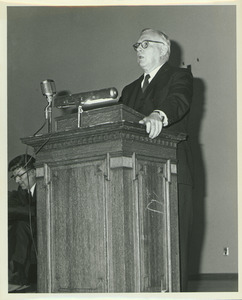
(145, 44)
(14, 177)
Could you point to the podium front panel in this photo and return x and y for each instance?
(78, 246)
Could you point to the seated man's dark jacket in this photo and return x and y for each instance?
(22, 209)
(171, 92)
(21, 205)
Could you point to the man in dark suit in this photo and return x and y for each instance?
(22, 224)
(164, 94)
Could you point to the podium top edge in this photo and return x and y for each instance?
(116, 106)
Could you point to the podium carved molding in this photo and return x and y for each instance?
(100, 134)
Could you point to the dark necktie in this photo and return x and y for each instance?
(146, 82)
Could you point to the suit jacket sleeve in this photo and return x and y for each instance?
(178, 96)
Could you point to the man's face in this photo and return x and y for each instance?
(149, 58)
(25, 178)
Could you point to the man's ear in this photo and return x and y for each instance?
(163, 50)
(33, 172)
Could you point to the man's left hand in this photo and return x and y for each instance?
(153, 124)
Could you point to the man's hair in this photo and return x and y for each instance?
(25, 161)
(165, 39)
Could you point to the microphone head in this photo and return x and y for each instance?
(48, 87)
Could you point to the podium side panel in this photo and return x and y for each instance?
(122, 235)
(153, 229)
(43, 218)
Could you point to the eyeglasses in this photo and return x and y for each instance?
(145, 44)
(19, 175)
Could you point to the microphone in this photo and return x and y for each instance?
(48, 89)
(88, 99)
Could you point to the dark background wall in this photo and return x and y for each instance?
(89, 48)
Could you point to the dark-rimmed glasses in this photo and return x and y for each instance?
(144, 44)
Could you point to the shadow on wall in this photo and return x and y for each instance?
(199, 175)
(176, 54)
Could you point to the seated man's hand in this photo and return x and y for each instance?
(153, 123)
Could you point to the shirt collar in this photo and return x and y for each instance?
(153, 73)
(32, 189)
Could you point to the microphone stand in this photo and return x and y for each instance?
(48, 114)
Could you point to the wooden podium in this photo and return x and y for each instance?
(106, 205)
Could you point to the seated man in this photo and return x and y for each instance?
(22, 224)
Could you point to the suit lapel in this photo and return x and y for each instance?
(136, 90)
(143, 102)
(160, 79)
